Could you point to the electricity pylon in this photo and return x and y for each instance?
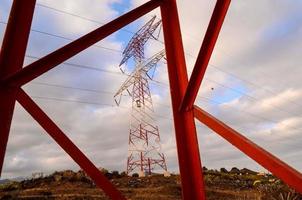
(144, 153)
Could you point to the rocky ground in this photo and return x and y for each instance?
(220, 185)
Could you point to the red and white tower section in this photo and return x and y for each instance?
(144, 153)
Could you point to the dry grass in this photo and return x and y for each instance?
(219, 186)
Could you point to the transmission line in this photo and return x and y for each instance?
(115, 50)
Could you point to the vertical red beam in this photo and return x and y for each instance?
(205, 53)
(185, 130)
(11, 60)
(75, 153)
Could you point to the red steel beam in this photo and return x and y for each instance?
(280, 169)
(54, 131)
(185, 130)
(11, 60)
(205, 53)
(55, 58)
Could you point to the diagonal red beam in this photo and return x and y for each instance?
(280, 169)
(205, 53)
(53, 59)
(54, 131)
(11, 60)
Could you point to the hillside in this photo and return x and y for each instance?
(236, 184)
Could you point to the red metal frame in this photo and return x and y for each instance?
(185, 131)
(55, 58)
(205, 53)
(143, 131)
(11, 60)
(144, 149)
(280, 169)
(75, 153)
(183, 93)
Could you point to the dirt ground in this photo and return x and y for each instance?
(219, 186)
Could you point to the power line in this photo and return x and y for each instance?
(251, 114)
(95, 69)
(108, 105)
(69, 39)
(107, 71)
(88, 103)
(205, 99)
(158, 82)
(156, 115)
(79, 16)
(114, 50)
(236, 76)
(111, 105)
(218, 68)
(256, 116)
(71, 100)
(244, 80)
(73, 88)
(251, 97)
(84, 18)
(110, 49)
(82, 89)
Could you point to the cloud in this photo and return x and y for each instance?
(252, 84)
(281, 99)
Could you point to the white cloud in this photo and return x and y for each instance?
(97, 10)
(249, 48)
(281, 99)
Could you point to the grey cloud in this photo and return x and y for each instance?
(102, 132)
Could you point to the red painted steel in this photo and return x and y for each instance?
(280, 169)
(182, 93)
(48, 62)
(135, 47)
(11, 60)
(185, 130)
(54, 131)
(205, 53)
(144, 149)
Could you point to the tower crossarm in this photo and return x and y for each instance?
(137, 42)
(149, 64)
(139, 71)
(129, 81)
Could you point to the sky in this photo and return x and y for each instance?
(252, 84)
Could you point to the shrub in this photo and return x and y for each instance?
(223, 170)
(124, 174)
(115, 174)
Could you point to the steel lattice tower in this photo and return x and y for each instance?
(183, 89)
(144, 153)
